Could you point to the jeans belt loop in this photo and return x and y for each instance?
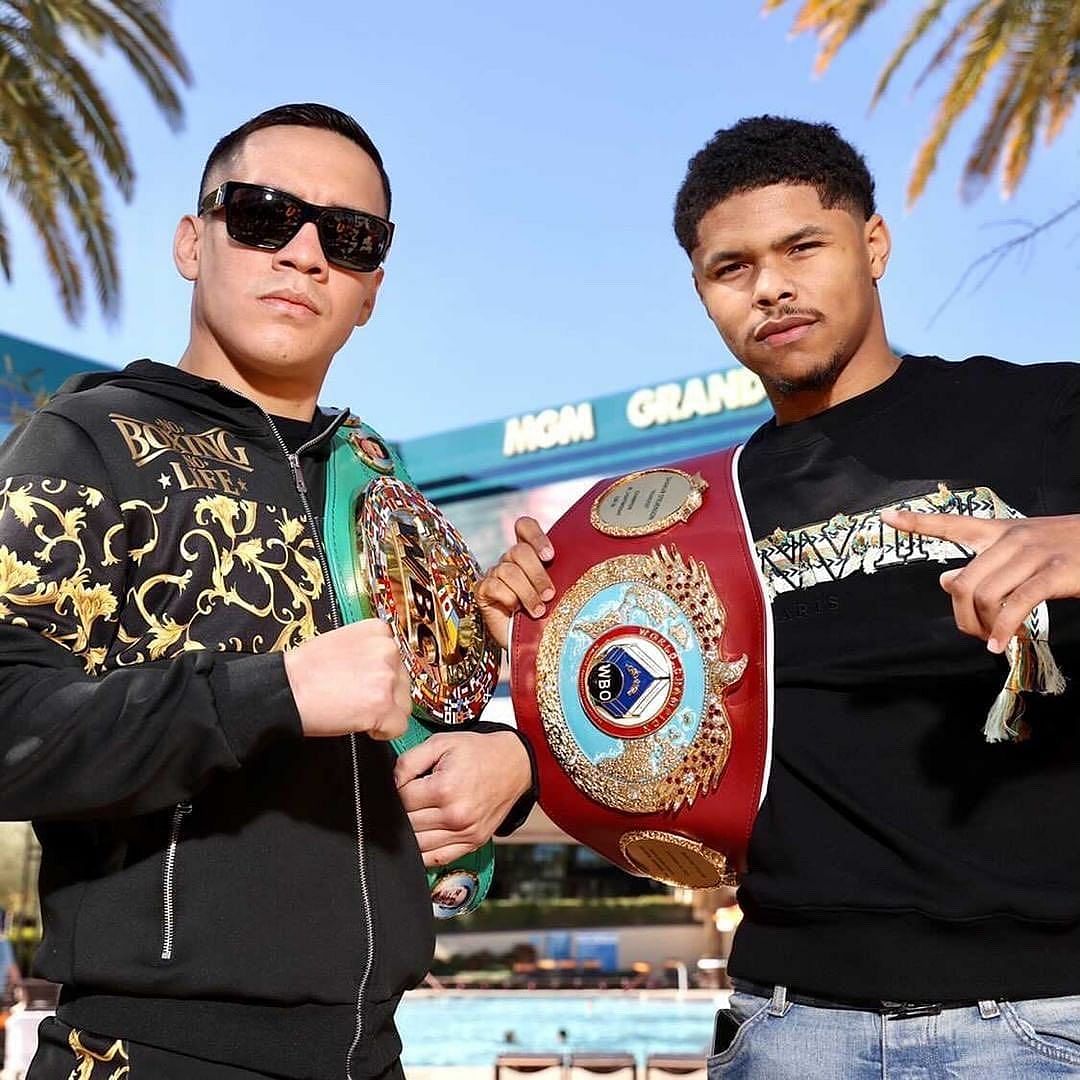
(779, 1005)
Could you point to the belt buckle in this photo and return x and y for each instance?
(906, 1010)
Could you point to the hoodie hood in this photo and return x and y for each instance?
(213, 399)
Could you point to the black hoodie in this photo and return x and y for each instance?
(212, 882)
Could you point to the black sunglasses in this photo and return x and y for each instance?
(265, 218)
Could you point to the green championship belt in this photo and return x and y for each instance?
(394, 556)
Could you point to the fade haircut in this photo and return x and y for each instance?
(760, 151)
(307, 114)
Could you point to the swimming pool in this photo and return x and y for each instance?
(471, 1028)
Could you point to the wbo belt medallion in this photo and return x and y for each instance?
(421, 576)
(631, 682)
(645, 688)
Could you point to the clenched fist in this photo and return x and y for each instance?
(350, 680)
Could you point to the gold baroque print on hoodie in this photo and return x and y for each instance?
(54, 575)
(240, 557)
(68, 555)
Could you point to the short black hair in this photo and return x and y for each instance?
(306, 114)
(759, 151)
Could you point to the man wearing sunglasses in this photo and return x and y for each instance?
(231, 883)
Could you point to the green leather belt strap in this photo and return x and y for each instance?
(347, 477)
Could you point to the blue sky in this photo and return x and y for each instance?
(535, 151)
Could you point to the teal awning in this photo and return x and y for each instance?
(29, 371)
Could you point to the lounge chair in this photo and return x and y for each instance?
(600, 1064)
(674, 1064)
(523, 1063)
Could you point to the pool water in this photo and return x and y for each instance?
(471, 1028)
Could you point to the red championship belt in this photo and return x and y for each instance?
(646, 689)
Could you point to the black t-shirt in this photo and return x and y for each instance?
(897, 854)
(296, 432)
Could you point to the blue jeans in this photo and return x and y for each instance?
(994, 1040)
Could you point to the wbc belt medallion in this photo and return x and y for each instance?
(404, 562)
(421, 576)
(646, 685)
(393, 555)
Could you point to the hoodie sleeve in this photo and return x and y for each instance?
(520, 811)
(78, 740)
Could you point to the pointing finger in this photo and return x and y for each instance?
(977, 534)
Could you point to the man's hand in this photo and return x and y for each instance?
(518, 580)
(458, 787)
(350, 679)
(1018, 564)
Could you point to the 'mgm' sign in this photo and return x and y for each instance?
(623, 416)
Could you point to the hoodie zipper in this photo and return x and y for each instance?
(168, 930)
(335, 619)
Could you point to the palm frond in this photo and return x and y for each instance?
(983, 159)
(59, 135)
(1018, 148)
(842, 29)
(966, 24)
(919, 29)
(66, 82)
(1064, 86)
(1040, 39)
(74, 90)
(988, 45)
(81, 196)
(47, 158)
(1040, 63)
(5, 249)
(834, 22)
(148, 21)
(24, 179)
(98, 24)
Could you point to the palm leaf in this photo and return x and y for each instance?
(150, 63)
(1018, 149)
(1038, 73)
(984, 157)
(73, 89)
(71, 86)
(1065, 82)
(919, 29)
(82, 196)
(842, 30)
(5, 249)
(1039, 38)
(24, 180)
(834, 21)
(984, 52)
(1040, 62)
(59, 134)
(964, 27)
(41, 149)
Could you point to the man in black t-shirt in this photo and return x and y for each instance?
(912, 904)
